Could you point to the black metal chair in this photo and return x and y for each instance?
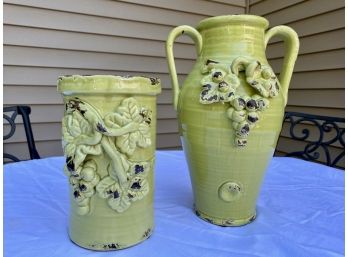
(24, 111)
(330, 134)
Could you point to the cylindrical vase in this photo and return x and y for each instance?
(109, 141)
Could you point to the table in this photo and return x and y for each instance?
(300, 213)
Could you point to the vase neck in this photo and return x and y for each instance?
(234, 40)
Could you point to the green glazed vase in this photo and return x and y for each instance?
(109, 141)
(230, 111)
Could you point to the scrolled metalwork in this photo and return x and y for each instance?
(330, 133)
(10, 120)
(24, 111)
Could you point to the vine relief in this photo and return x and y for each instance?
(220, 83)
(117, 136)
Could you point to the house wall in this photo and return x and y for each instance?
(45, 39)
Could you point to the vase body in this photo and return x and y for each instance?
(109, 140)
(230, 111)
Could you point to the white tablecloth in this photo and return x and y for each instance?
(300, 212)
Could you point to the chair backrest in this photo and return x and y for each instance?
(329, 134)
(10, 114)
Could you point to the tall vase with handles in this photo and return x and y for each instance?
(230, 111)
(109, 141)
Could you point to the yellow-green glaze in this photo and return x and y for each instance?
(109, 140)
(230, 109)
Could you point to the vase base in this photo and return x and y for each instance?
(225, 222)
(109, 246)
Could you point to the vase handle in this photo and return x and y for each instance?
(176, 32)
(292, 44)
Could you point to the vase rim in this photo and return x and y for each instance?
(90, 84)
(241, 19)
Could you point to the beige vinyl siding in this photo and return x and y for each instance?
(317, 85)
(46, 39)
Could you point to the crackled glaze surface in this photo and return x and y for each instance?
(109, 143)
(230, 109)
